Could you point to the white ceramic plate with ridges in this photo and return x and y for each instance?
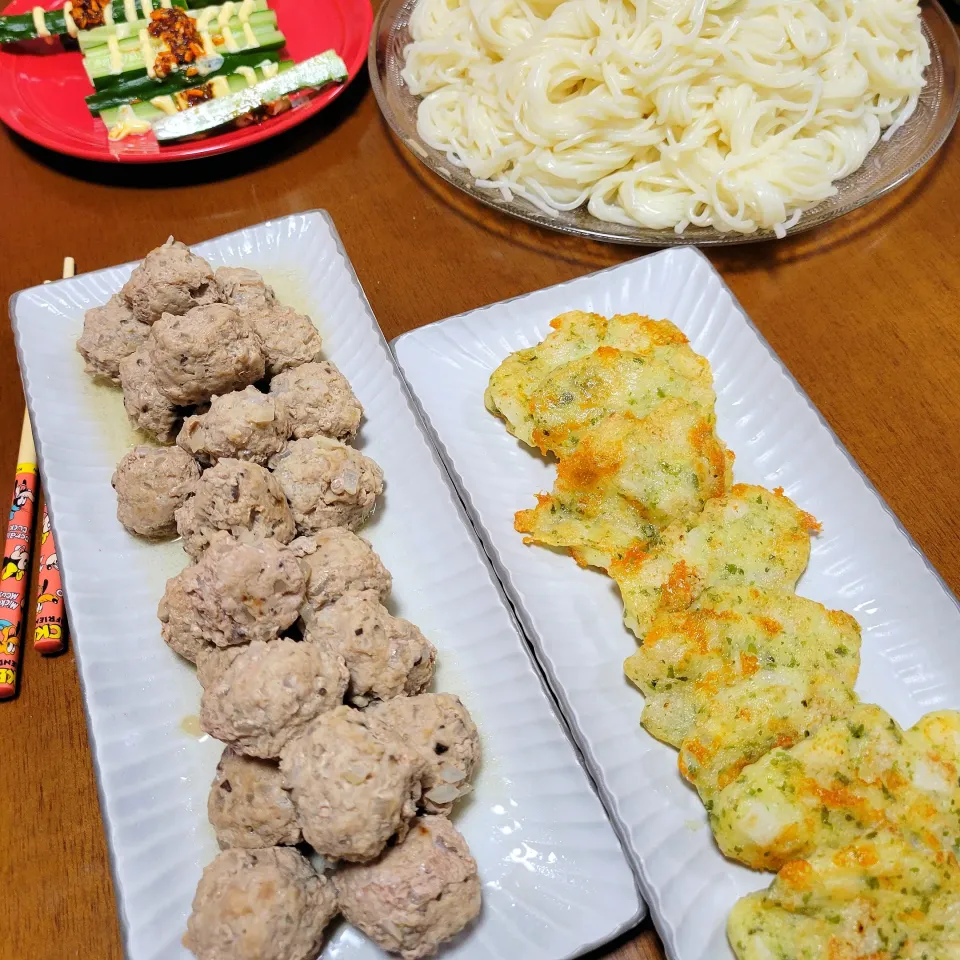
(555, 878)
(863, 562)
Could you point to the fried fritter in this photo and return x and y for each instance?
(851, 777)
(627, 479)
(880, 897)
(588, 367)
(727, 637)
(750, 538)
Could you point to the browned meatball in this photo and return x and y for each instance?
(319, 400)
(110, 333)
(147, 408)
(212, 661)
(339, 561)
(420, 893)
(209, 350)
(171, 279)
(288, 338)
(248, 806)
(238, 497)
(269, 692)
(386, 656)
(245, 424)
(354, 784)
(439, 727)
(327, 483)
(260, 905)
(151, 482)
(244, 289)
(235, 593)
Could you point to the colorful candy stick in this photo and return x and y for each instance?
(15, 574)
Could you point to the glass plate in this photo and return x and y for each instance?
(888, 165)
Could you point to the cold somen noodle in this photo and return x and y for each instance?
(735, 115)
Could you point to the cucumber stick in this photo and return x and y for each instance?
(145, 110)
(22, 26)
(143, 88)
(122, 66)
(89, 40)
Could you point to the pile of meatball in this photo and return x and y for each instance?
(316, 690)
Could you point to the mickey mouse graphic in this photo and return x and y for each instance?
(22, 495)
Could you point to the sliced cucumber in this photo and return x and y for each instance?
(143, 88)
(101, 69)
(145, 110)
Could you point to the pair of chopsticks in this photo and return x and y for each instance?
(49, 631)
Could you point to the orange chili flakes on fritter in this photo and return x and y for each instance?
(178, 33)
(88, 14)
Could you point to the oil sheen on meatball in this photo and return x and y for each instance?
(269, 692)
(387, 656)
(147, 408)
(327, 483)
(245, 425)
(238, 497)
(420, 893)
(248, 806)
(260, 905)
(151, 482)
(236, 592)
(439, 727)
(110, 333)
(209, 350)
(244, 289)
(354, 784)
(339, 561)
(320, 400)
(288, 338)
(171, 279)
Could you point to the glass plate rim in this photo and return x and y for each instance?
(949, 54)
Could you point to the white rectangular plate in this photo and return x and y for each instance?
(863, 562)
(555, 878)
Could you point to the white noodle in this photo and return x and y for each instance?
(733, 114)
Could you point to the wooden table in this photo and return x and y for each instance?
(865, 313)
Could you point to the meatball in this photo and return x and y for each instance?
(439, 727)
(246, 425)
(289, 338)
(327, 483)
(244, 289)
(147, 408)
(110, 333)
(171, 279)
(354, 784)
(248, 806)
(209, 350)
(151, 482)
(241, 498)
(269, 692)
(260, 905)
(319, 400)
(176, 628)
(386, 656)
(339, 561)
(212, 661)
(418, 894)
(235, 593)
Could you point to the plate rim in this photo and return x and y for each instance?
(666, 929)
(471, 532)
(214, 145)
(666, 238)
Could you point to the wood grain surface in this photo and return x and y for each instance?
(865, 313)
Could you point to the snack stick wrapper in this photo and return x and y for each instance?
(49, 633)
(15, 575)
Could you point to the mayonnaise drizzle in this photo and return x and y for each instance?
(226, 13)
(39, 24)
(146, 8)
(246, 8)
(204, 17)
(209, 47)
(128, 123)
(248, 74)
(228, 40)
(251, 37)
(116, 57)
(220, 86)
(164, 103)
(130, 10)
(108, 14)
(269, 68)
(148, 54)
(68, 20)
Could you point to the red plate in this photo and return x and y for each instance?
(42, 86)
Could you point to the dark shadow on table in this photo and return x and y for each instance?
(206, 169)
